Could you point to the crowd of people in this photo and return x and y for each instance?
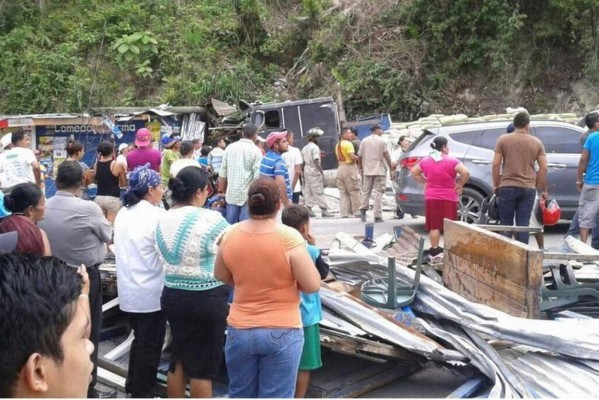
(177, 262)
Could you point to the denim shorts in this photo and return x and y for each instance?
(263, 362)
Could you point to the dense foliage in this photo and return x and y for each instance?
(387, 55)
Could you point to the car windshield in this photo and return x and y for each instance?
(419, 139)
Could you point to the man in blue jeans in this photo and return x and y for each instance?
(514, 177)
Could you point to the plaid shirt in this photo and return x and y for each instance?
(240, 167)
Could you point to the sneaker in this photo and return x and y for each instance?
(326, 214)
(378, 219)
(435, 251)
(312, 214)
(363, 215)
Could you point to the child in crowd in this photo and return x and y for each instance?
(203, 160)
(298, 217)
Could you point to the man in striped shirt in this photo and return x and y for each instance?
(273, 165)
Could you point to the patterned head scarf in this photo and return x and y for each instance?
(143, 178)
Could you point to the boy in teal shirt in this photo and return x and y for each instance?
(298, 217)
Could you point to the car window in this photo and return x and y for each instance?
(558, 139)
(425, 134)
(489, 138)
(468, 137)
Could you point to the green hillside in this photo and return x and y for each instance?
(409, 58)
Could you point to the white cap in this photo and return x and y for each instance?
(123, 146)
(260, 139)
(6, 140)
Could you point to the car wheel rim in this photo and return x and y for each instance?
(468, 210)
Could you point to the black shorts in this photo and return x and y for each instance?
(198, 320)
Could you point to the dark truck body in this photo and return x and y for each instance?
(300, 116)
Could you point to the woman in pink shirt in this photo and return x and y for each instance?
(438, 172)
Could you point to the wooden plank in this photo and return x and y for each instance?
(361, 381)
(510, 228)
(353, 345)
(492, 269)
(571, 257)
(504, 286)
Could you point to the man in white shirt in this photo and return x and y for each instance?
(293, 159)
(19, 164)
(215, 157)
(186, 160)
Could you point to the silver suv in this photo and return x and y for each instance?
(473, 144)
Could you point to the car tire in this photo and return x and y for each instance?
(470, 205)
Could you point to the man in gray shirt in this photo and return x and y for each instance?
(78, 233)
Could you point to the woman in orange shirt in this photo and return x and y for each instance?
(266, 263)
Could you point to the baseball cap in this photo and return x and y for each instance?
(6, 140)
(273, 137)
(143, 137)
(510, 128)
(168, 141)
(123, 146)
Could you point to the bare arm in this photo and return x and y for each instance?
(296, 175)
(47, 249)
(304, 271)
(416, 172)
(221, 271)
(464, 176)
(582, 167)
(496, 167)
(542, 176)
(282, 189)
(37, 173)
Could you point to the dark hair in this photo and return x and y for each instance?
(195, 140)
(73, 147)
(186, 147)
(30, 238)
(521, 120)
(216, 141)
(22, 196)
(438, 143)
(105, 148)
(510, 128)
(295, 216)
(351, 129)
(375, 127)
(590, 119)
(263, 196)
(17, 137)
(39, 297)
(69, 175)
(401, 139)
(249, 130)
(187, 182)
(205, 150)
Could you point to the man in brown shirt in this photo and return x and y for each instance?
(516, 154)
(372, 156)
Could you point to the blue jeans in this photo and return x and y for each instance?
(263, 362)
(518, 202)
(574, 230)
(237, 213)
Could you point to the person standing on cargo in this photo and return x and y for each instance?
(273, 166)
(240, 167)
(348, 176)
(514, 175)
(313, 174)
(587, 179)
(373, 155)
(438, 173)
(294, 161)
